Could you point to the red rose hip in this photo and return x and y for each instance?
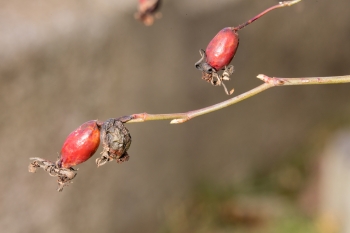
(218, 55)
(80, 145)
(222, 48)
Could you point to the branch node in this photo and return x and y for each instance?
(139, 117)
(269, 80)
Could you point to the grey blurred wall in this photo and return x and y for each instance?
(65, 63)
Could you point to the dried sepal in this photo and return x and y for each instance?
(211, 75)
(64, 175)
(116, 141)
(208, 77)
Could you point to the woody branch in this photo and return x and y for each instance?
(269, 82)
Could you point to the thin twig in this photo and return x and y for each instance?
(279, 5)
(269, 82)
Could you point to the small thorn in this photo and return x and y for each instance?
(231, 92)
(264, 78)
(261, 76)
(178, 121)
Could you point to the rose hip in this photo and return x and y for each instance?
(222, 48)
(218, 55)
(78, 147)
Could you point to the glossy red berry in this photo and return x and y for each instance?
(218, 55)
(222, 48)
(80, 145)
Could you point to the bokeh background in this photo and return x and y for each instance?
(277, 162)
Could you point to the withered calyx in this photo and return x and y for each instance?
(116, 141)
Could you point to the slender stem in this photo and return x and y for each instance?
(269, 82)
(304, 81)
(279, 5)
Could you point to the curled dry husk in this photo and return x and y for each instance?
(64, 175)
(116, 141)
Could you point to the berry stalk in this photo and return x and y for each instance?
(279, 5)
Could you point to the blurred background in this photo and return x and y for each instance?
(277, 162)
